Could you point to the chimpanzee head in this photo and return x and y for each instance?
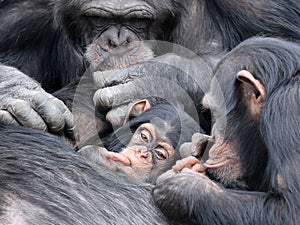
(242, 95)
(151, 139)
(100, 27)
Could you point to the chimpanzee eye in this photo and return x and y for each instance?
(139, 24)
(145, 136)
(161, 153)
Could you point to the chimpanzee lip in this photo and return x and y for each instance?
(216, 164)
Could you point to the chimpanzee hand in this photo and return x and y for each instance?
(175, 193)
(189, 164)
(169, 77)
(196, 147)
(24, 102)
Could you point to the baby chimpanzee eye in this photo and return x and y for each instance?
(161, 153)
(145, 136)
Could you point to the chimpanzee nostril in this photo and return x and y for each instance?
(115, 37)
(112, 44)
(126, 36)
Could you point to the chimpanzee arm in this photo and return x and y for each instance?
(169, 77)
(24, 102)
(183, 195)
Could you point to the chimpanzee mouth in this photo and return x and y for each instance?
(217, 164)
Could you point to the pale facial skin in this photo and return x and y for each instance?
(148, 145)
(147, 155)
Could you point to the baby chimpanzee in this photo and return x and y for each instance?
(147, 144)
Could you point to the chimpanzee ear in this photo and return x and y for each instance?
(137, 109)
(248, 80)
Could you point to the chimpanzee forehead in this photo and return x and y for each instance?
(161, 124)
(126, 8)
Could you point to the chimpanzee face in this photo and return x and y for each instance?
(236, 100)
(149, 146)
(117, 22)
(97, 28)
(223, 163)
(148, 153)
(112, 32)
(111, 38)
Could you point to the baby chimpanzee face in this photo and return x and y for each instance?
(149, 146)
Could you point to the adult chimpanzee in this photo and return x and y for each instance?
(61, 31)
(256, 156)
(44, 182)
(148, 144)
(55, 36)
(210, 28)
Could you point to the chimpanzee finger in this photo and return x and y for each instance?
(101, 156)
(49, 112)
(199, 167)
(199, 143)
(94, 155)
(91, 152)
(25, 115)
(118, 157)
(110, 97)
(185, 150)
(196, 137)
(116, 116)
(188, 162)
(110, 78)
(188, 170)
(70, 126)
(7, 119)
(196, 147)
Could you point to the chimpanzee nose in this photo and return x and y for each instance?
(115, 37)
(145, 155)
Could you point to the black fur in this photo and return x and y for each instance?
(36, 39)
(42, 38)
(179, 126)
(268, 146)
(42, 181)
(220, 25)
(183, 126)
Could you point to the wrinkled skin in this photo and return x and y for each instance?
(24, 102)
(47, 40)
(62, 38)
(153, 78)
(210, 28)
(111, 32)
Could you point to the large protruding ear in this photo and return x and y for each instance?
(254, 89)
(251, 83)
(137, 109)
